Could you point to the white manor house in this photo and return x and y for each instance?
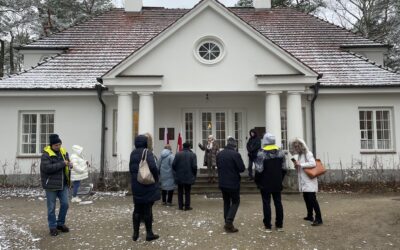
(201, 71)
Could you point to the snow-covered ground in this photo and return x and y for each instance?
(350, 221)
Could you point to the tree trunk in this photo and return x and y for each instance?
(2, 58)
(12, 65)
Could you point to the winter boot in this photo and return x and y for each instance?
(136, 226)
(229, 228)
(149, 229)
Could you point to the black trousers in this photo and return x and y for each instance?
(231, 204)
(250, 167)
(184, 188)
(310, 199)
(144, 209)
(266, 199)
(165, 193)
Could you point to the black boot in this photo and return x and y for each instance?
(136, 225)
(149, 229)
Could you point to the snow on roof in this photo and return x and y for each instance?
(98, 45)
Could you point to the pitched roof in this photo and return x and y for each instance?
(99, 44)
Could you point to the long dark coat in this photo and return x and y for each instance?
(185, 167)
(230, 165)
(143, 193)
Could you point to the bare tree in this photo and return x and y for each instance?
(375, 19)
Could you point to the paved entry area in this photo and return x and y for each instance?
(351, 221)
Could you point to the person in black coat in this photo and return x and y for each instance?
(269, 174)
(230, 165)
(185, 168)
(144, 196)
(56, 180)
(253, 146)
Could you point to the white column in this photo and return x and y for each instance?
(273, 114)
(146, 113)
(294, 115)
(124, 129)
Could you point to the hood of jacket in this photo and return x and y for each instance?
(141, 141)
(77, 149)
(254, 132)
(268, 139)
(165, 153)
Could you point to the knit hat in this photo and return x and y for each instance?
(231, 141)
(54, 139)
(268, 139)
(186, 145)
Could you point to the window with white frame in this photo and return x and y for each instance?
(238, 127)
(34, 131)
(284, 130)
(376, 128)
(189, 128)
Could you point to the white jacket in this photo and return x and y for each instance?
(80, 169)
(305, 183)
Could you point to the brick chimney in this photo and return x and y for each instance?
(133, 5)
(262, 4)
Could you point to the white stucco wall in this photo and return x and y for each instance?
(77, 121)
(244, 58)
(338, 129)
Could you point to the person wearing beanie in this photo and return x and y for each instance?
(230, 165)
(185, 168)
(253, 145)
(269, 173)
(56, 180)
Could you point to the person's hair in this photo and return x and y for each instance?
(149, 141)
(302, 148)
(167, 146)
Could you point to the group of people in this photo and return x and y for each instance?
(180, 170)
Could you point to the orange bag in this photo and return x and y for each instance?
(316, 171)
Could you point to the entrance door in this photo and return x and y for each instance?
(198, 124)
(213, 123)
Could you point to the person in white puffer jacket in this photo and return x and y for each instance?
(79, 170)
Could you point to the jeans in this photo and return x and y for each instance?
(266, 199)
(250, 167)
(75, 188)
(51, 207)
(186, 188)
(312, 204)
(231, 204)
(164, 194)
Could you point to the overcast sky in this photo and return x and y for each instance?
(174, 3)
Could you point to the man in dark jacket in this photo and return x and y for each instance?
(144, 195)
(253, 145)
(230, 165)
(56, 180)
(269, 174)
(185, 168)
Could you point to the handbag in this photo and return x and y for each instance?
(144, 175)
(316, 171)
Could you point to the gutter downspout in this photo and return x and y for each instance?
(100, 89)
(316, 90)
